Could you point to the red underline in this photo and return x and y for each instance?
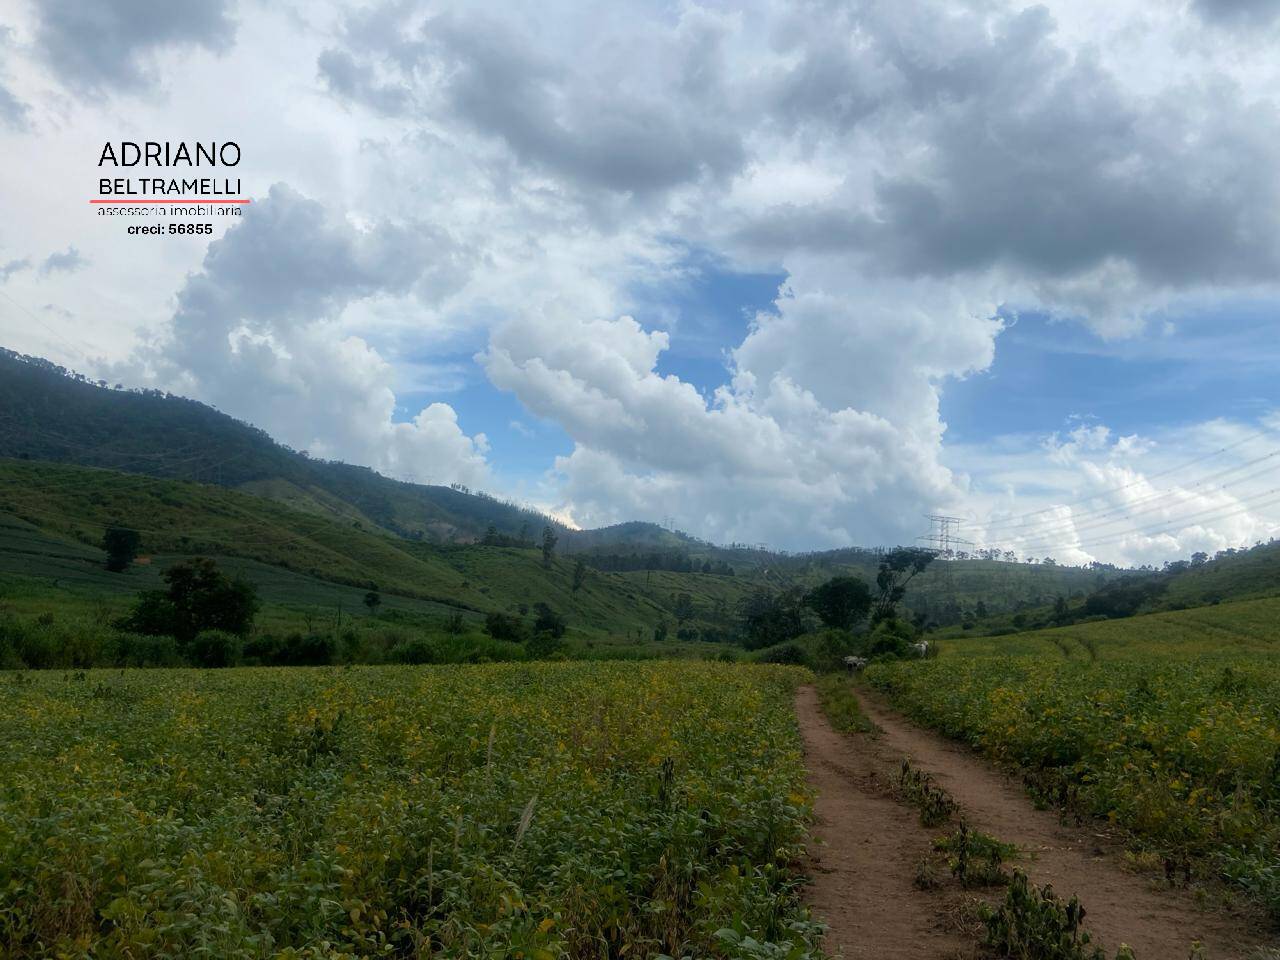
(171, 201)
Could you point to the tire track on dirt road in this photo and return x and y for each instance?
(869, 846)
(1122, 906)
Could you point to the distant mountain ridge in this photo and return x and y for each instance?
(50, 413)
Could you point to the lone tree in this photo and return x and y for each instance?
(199, 597)
(897, 569)
(548, 621)
(121, 545)
(579, 575)
(549, 540)
(373, 600)
(841, 602)
(683, 608)
(767, 619)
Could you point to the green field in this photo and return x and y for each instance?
(52, 519)
(1242, 627)
(550, 810)
(1167, 724)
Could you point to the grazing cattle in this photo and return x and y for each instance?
(855, 664)
(921, 648)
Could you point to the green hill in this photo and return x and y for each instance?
(54, 518)
(1244, 626)
(48, 413)
(232, 491)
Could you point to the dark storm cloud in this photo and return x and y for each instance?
(67, 261)
(1239, 12)
(353, 80)
(1021, 155)
(576, 122)
(566, 123)
(293, 261)
(105, 43)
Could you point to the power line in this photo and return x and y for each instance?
(1155, 495)
(1157, 500)
(1144, 479)
(1220, 512)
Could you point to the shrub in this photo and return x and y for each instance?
(306, 650)
(548, 621)
(543, 644)
(121, 545)
(260, 651)
(418, 650)
(890, 640)
(214, 648)
(790, 653)
(141, 650)
(503, 627)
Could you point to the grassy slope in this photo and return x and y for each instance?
(1246, 626)
(48, 414)
(1251, 574)
(41, 571)
(1247, 575)
(56, 514)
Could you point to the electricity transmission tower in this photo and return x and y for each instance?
(944, 534)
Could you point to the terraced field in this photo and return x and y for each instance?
(1168, 725)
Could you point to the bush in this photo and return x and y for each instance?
(543, 645)
(790, 653)
(829, 648)
(153, 614)
(214, 648)
(44, 644)
(548, 621)
(140, 650)
(294, 650)
(416, 651)
(261, 651)
(306, 650)
(890, 640)
(503, 627)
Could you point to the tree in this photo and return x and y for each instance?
(981, 610)
(121, 545)
(199, 597)
(503, 627)
(897, 569)
(548, 621)
(683, 608)
(768, 619)
(373, 600)
(841, 602)
(579, 575)
(549, 540)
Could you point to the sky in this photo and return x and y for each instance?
(792, 273)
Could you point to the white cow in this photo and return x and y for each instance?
(921, 648)
(855, 664)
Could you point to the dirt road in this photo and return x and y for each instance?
(870, 846)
